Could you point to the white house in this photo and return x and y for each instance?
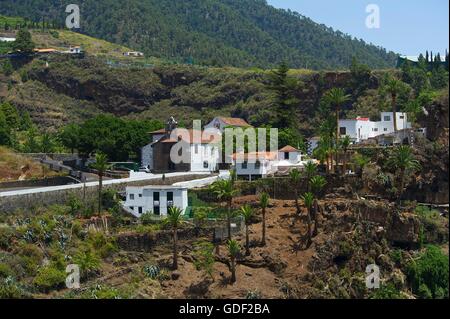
(135, 54)
(361, 129)
(155, 199)
(5, 39)
(256, 165)
(220, 123)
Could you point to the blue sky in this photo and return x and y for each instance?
(407, 27)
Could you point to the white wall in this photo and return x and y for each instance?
(147, 156)
(264, 169)
(201, 153)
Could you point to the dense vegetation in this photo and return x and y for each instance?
(233, 32)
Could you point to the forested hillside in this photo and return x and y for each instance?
(241, 33)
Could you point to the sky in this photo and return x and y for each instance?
(408, 27)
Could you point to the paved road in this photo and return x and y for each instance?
(147, 177)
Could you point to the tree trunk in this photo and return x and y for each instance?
(175, 250)
(402, 185)
(247, 241)
(338, 134)
(316, 218)
(229, 220)
(233, 269)
(297, 206)
(345, 163)
(100, 189)
(263, 241)
(308, 244)
(394, 111)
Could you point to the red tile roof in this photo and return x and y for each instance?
(255, 155)
(289, 149)
(161, 131)
(232, 121)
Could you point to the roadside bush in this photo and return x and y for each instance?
(387, 291)
(102, 244)
(49, 278)
(428, 275)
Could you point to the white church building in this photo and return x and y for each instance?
(362, 128)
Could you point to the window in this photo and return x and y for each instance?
(257, 164)
(140, 195)
(286, 155)
(375, 129)
(343, 130)
(205, 164)
(132, 208)
(140, 210)
(244, 165)
(387, 118)
(169, 199)
(385, 129)
(131, 196)
(402, 117)
(156, 197)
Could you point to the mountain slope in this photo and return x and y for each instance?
(240, 33)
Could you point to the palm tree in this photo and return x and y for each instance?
(317, 185)
(393, 87)
(308, 199)
(337, 97)
(247, 212)
(310, 171)
(264, 202)
(233, 250)
(360, 161)
(402, 159)
(295, 177)
(174, 220)
(345, 144)
(101, 165)
(225, 191)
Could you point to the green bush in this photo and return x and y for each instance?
(5, 271)
(88, 261)
(10, 289)
(49, 278)
(6, 234)
(387, 291)
(428, 275)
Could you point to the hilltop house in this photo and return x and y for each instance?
(155, 199)
(7, 39)
(257, 165)
(361, 129)
(220, 123)
(134, 54)
(200, 150)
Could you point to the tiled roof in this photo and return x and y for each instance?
(232, 121)
(289, 149)
(161, 131)
(193, 137)
(255, 155)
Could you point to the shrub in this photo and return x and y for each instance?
(387, 291)
(49, 278)
(88, 261)
(6, 234)
(428, 275)
(151, 271)
(10, 289)
(147, 218)
(5, 271)
(204, 257)
(103, 245)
